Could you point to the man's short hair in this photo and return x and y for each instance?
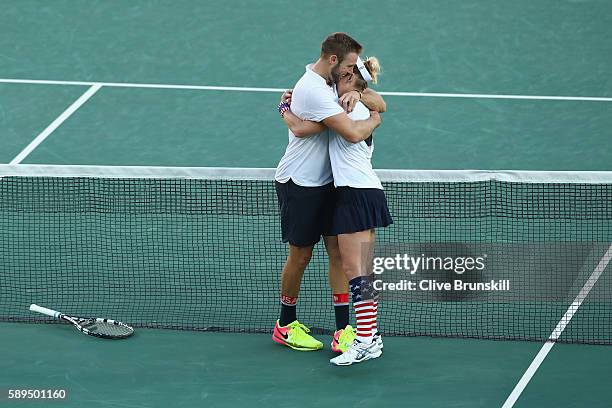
(339, 44)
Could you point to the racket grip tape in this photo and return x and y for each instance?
(44, 310)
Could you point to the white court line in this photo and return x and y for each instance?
(492, 96)
(252, 89)
(129, 85)
(55, 124)
(539, 358)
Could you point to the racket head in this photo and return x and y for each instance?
(101, 328)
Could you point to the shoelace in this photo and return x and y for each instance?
(345, 333)
(299, 325)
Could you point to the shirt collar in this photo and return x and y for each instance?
(319, 77)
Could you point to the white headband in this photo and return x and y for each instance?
(363, 70)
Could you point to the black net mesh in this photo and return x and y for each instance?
(206, 255)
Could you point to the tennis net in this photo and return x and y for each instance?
(200, 249)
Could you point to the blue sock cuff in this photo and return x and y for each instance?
(362, 288)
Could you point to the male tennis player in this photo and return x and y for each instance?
(304, 183)
(360, 207)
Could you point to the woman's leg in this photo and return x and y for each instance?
(356, 252)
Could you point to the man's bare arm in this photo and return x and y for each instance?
(302, 128)
(354, 131)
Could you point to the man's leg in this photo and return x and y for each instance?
(288, 331)
(291, 278)
(301, 226)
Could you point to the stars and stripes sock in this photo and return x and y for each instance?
(365, 302)
(341, 309)
(288, 306)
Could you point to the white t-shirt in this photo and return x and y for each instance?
(351, 162)
(306, 160)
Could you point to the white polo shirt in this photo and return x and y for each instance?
(352, 162)
(306, 160)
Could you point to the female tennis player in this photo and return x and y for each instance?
(360, 207)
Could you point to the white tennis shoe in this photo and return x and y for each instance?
(358, 352)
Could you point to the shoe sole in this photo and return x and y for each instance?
(371, 357)
(284, 343)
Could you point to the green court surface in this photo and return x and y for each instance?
(120, 126)
(38, 106)
(544, 47)
(523, 48)
(158, 368)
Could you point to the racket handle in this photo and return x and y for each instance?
(44, 310)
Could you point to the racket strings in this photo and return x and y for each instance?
(103, 328)
(109, 329)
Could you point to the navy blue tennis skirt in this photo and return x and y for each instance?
(359, 209)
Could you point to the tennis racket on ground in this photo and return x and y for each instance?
(103, 328)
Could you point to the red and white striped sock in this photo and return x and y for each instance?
(366, 312)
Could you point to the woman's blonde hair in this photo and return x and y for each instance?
(373, 66)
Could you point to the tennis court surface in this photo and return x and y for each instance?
(138, 143)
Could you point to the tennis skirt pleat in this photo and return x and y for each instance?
(359, 209)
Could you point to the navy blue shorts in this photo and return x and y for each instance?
(359, 209)
(305, 212)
